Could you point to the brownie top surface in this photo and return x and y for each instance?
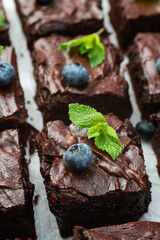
(133, 9)
(128, 231)
(3, 29)
(103, 175)
(50, 62)
(9, 103)
(41, 17)
(148, 51)
(11, 185)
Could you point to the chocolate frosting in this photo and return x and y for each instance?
(128, 231)
(133, 9)
(50, 61)
(58, 14)
(103, 175)
(148, 47)
(11, 186)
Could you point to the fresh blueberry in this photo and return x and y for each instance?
(145, 129)
(43, 1)
(7, 74)
(158, 64)
(78, 157)
(75, 74)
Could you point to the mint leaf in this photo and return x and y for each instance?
(1, 49)
(84, 116)
(2, 21)
(105, 136)
(90, 45)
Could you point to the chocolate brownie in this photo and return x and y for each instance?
(128, 231)
(106, 90)
(143, 56)
(60, 16)
(12, 109)
(16, 192)
(155, 118)
(130, 17)
(107, 192)
(4, 37)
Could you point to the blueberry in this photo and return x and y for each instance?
(78, 157)
(75, 74)
(43, 1)
(158, 64)
(7, 73)
(145, 129)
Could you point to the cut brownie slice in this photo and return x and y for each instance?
(128, 231)
(16, 192)
(4, 37)
(143, 56)
(60, 16)
(107, 192)
(12, 108)
(130, 17)
(106, 90)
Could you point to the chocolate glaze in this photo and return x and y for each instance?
(12, 109)
(128, 231)
(4, 37)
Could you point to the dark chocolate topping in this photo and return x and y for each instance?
(148, 46)
(50, 62)
(11, 186)
(104, 174)
(45, 18)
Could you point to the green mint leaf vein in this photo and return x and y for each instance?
(1, 49)
(90, 45)
(2, 20)
(105, 137)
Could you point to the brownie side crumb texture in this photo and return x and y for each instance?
(60, 16)
(108, 192)
(143, 56)
(130, 17)
(16, 192)
(12, 108)
(128, 231)
(4, 36)
(106, 90)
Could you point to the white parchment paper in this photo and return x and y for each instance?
(46, 225)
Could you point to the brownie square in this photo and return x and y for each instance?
(16, 192)
(4, 36)
(60, 16)
(106, 90)
(12, 109)
(127, 231)
(143, 55)
(107, 192)
(130, 17)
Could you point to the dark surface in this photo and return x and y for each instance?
(128, 231)
(16, 192)
(12, 109)
(4, 37)
(130, 17)
(60, 16)
(106, 90)
(107, 192)
(143, 56)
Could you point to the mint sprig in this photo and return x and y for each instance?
(90, 45)
(2, 20)
(1, 49)
(105, 137)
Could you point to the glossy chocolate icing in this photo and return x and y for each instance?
(104, 175)
(50, 61)
(59, 15)
(11, 185)
(128, 231)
